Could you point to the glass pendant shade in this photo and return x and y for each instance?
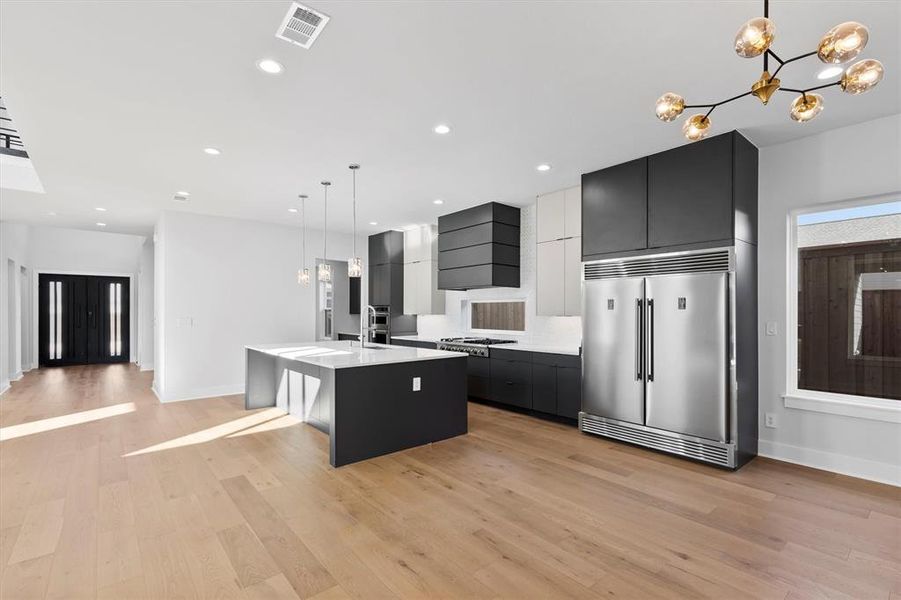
(754, 37)
(696, 128)
(669, 106)
(843, 42)
(355, 267)
(862, 76)
(303, 276)
(325, 272)
(806, 107)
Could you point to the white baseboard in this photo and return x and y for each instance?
(146, 367)
(16, 376)
(197, 394)
(828, 461)
(4, 386)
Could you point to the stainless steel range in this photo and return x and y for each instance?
(474, 346)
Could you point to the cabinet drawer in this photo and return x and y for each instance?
(516, 355)
(511, 371)
(513, 394)
(557, 360)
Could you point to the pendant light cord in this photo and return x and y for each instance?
(303, 243)
(354, 171)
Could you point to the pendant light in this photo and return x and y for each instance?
(355, 264)
(840, 44)
(303, 273)
(325, 269)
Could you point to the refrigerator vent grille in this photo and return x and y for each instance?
(701, 262)
(707, 451)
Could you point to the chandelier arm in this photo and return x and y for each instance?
(819, 87)
(715, 104)
(782, 63)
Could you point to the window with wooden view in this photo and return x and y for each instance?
(499, 316)
(849, 301)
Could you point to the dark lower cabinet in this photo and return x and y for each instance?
(511, 382)
(569, 392)
(544, 388)
(478, 379)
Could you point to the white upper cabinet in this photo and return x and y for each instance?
(421, 293)
(558, 277)
(549, 217)
(572, 212)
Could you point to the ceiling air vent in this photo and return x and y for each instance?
(302, 25)
(180, 197)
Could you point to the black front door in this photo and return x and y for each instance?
(83, 319)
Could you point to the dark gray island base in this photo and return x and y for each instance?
(363, 398)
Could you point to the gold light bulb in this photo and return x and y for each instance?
(862, 76)
(754, 37)
(669, 106)
(805, 107)
(696, 128)
(843, 42)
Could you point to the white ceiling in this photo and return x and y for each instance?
(116, 100)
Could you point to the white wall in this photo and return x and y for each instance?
(56, 250)
(13, 247)
(562, 331)
(838, 165)
(145, 354)
(221, 284)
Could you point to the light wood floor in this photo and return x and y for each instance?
(519, 508)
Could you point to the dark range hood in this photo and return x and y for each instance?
(479, 248)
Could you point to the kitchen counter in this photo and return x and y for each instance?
(369, 401)
(346, 354)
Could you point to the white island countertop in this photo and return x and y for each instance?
(347, 354)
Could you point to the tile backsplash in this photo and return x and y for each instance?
(561, 331)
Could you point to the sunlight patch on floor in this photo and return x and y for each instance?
(277, 423)
(212, 433)
(78, 418)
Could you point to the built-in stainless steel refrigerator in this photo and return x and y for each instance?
(659, 353)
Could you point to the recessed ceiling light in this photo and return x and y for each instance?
(442, 129)
(51, 213)
(292, 210)
(182, 193)
(100, 224)
(543, 168)
(213, 151)
(437, 201)
(267, 65)
(373, 223)
(829, 72)
(100, 209)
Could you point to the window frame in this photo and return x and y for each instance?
(849, 405)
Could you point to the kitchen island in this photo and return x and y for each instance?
(369, 400)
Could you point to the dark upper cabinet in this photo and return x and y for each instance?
(690, 193)
(615, 209)
(697, 195)
(386, 286)
(386, 247)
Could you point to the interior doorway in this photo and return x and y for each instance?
(12, 318)
(25, 357)
(83, 319)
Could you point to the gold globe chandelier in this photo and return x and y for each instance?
(839, 45)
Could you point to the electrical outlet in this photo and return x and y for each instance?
(771, 328)
(770, 420)
(417, 384)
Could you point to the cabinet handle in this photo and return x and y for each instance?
(639, 339)
(509, 382)
(651, 340)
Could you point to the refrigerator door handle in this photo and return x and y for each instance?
(638, 338)
(651, 340)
